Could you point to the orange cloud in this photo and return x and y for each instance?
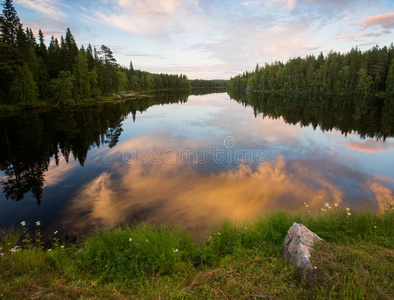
(383, 195)
(370, 146)
(179, 194)
(386, 20)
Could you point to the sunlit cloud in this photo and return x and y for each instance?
(360, 35)
(310, 48)
(382, 194)
(386, 21)
(154, 7)
(215, 39)
(47, 7)
(152, 17)
(179, 194)
(369, 146)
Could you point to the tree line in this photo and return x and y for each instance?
(358, 72)
(31, 71)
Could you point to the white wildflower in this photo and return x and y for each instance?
(375, 226)
(62, 246)
(56, 232)
(49, 250)
(347, 208)
(349, 213)
(15, 249)
(218, 233)
(326, 205)
(175, 250)
(130, 239)
(306, 205)
(23, 223)
(1, 254)
(38, 223)
(336, 204)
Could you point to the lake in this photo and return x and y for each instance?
(192, 160)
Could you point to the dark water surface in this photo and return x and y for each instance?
(193, 160)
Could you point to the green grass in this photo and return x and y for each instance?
(236, 261)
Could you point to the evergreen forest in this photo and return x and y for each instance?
(355, 72)
(32, 72)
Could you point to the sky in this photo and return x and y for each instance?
(213, 39)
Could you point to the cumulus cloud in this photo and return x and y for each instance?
(382, 194)
(257, 42)
(179, 194)
(386, 21)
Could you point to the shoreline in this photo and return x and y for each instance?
(235, 261)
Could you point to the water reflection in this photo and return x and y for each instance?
(368, 117)
(108, 183)
(181, 194)
(31, 139)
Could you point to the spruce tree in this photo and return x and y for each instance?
(10, 24)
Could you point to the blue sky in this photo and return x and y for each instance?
(213, 39)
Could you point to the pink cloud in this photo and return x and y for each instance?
(357, 35)
(369, 146)
(310, 48)
(386, 20)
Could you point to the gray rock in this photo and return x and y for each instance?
(298, 246)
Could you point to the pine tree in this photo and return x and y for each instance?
(42, 48)
(10, 24)
(54, 58)
(109, 74)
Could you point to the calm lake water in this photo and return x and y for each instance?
(193, 160)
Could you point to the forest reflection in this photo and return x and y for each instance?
(33, 143)
(30, 139)
(371, 117)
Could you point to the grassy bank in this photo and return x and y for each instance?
(236, 261)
